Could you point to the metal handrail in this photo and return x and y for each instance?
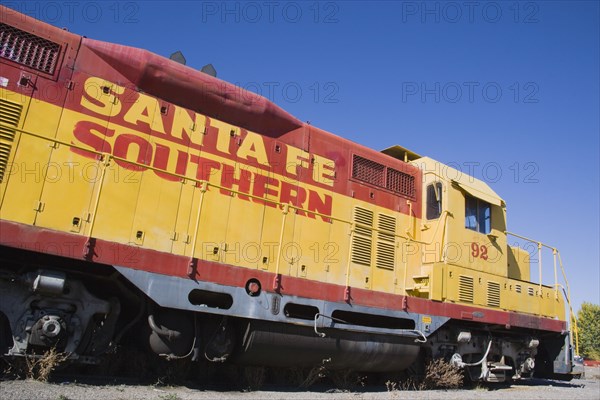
(200, 182)
(573, 329)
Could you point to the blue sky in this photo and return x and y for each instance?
(509, 89)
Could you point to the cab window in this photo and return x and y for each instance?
(477, 215)
(434, 200)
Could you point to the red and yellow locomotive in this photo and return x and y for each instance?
(137, 191)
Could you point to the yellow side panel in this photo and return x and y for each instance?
(22, 195)
(212, 229)
(187, 209)
(70, 178)
(243, 236)
(291, 251)
(119, 195)
(24, 178)
(318, 254)
(491, 291)
(13, 108)
(518, 264)
(155, 212)
(339, 237)
(243, 231)
(436, 283)
(270, 227)
(118, 199)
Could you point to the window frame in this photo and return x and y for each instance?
(434, 189)
(475, 211)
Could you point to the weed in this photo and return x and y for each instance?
(347, 379)
(440, 374)
(316, 374)
(391, 386)
(40, 368)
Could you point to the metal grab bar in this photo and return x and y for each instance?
(573, 329)
(421, 339)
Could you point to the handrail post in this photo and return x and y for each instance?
(555, 274)
(277, 279)
(104, 162)
(573, 329)
(347, 289)
(203, 189)
(540, 266)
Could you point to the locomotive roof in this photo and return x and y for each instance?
(465, 182)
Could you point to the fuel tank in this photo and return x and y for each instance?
(283, 345)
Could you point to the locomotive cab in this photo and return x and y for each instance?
(466, 260)
(472, 219)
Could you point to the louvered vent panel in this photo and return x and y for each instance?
(28, 49)
(367, 171)
(361, 250)
(10, 114)
(518, 288)
(493, 294)
(400, 182)
(465, 289)
(388, 224)
(363, 216)
(530, 291)
(362, 241)
(386, 242)
(386, 255)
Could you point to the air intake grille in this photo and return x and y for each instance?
(386, 242)
(362, 240)
(367, 171)
(10, 114)
(465, 289)
(400, 182)
(377, 174)
(493, 294)
(27, 49)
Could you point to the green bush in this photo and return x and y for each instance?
(588, 322)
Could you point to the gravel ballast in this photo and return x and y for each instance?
(577, 389)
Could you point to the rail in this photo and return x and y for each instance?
(573, 329)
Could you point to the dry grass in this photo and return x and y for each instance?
(314, 375)
(347, 379)
(391, 386)
(41, 368)
(440, 374)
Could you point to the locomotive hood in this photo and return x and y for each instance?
(189, 88)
